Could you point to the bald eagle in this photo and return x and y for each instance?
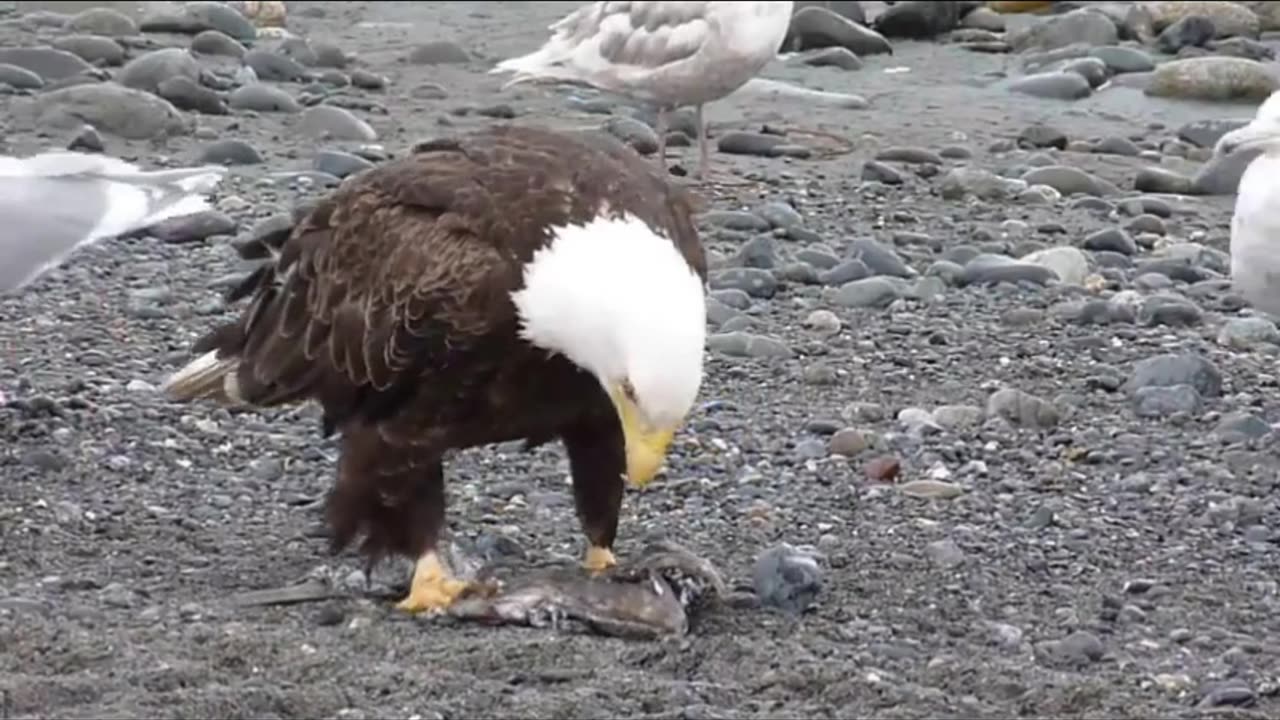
(514, 283)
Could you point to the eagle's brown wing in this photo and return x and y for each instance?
(407, 268)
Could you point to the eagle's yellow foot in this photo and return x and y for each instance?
(433, 589)
(599, 560)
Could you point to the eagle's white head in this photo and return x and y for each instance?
(619, 300)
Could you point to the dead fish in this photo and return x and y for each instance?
(651, 598)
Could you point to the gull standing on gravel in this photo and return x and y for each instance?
(666, 54)
(1255, 226)
(54, 203)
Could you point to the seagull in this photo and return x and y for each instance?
(1255, 224)
(666, 54)
(55, 203)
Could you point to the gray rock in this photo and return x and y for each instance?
(272, 67)
(838, 57)
(1054, 85)
(49, 63)
(1169, 310)
(1113, 240)
(215, 42)
(988, 269)
(780, 215)
(230, 152)
(1242, 48)
(1163, 181)
(1041, 135)
(438, 52)
(1186, 31)
(845, 272)
(1248, 333)
(823, 322)
(1173, 369)
(957, 417)
(918, 19)
(912, 155)
(755, 282)
(147, 71)
(1069, 181)
(1213, 79)
(819, 27)
(340, 164)
(633, 132)
(330, 122)
(366, 80)
(1206, 133)
(740, 220)
(260, 97)
(983, 184)
(1068, 263)
(1091, 69)
(1075, 27)
(112, 108)
(1159, 403)
(104, 21)
(92, 49)
(19, 78)
(879, 258)
(742, 344)
(1115, 145)
(758, 252)
(195, 17)
(876, 171)
(1079, 649)
(872, 292)
(945, 554)
(187, 94)
(1022, 409)
(1124, 59)
(196, 227)
(1242, 427)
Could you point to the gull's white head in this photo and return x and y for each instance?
(1263, 132)
(620, 301)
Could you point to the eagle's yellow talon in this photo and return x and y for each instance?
(599, 560)
(432, 589)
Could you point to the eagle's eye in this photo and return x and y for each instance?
(629, 390)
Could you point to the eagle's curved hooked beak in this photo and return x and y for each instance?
(646, 445)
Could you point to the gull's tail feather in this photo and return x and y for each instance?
(553, 62)
(208, 376)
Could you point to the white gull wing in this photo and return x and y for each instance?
(1255, 235)
(670, 52)
(54, 203)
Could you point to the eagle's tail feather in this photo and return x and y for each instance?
(208, 376)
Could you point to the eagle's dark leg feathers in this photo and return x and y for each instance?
(597, 460)
(394, 497)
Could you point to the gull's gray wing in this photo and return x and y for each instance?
(52, 204)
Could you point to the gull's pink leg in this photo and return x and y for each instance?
(704, 153)
(661, 129)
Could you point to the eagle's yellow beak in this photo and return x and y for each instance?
(646, 445)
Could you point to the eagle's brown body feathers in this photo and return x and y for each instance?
(389, 303)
